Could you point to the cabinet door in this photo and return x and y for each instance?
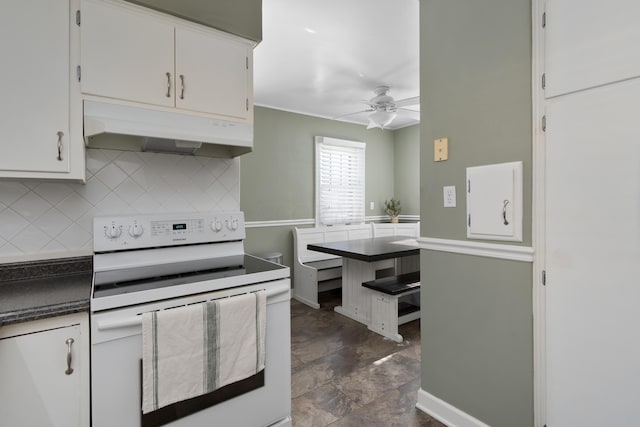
(34, 80)
(126, 54)
(35, 390)
(215, 70)
(588, 44)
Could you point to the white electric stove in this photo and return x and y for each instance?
(146, 263)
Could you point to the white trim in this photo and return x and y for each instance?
(445, 412)
(538, 216)
(312, 221)
(280, 223)
(391, 127)
(385, 218)
(489, 250)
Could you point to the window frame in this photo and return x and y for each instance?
(356, 214)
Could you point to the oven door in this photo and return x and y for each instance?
(116, 351)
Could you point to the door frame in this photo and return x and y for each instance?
(538, 214)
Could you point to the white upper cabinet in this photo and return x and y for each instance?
(40, 138)
(212, 72)
(133, 54)
(589, 44)
(126, 55)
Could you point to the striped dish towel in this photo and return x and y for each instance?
(193, 350)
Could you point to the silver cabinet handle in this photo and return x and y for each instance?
(181, 86)
(504, 212)
(168, 85)
(60, 135)
(69, 370)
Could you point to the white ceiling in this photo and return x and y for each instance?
(323, 57)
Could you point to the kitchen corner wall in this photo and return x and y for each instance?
(41, 219)
(477, 322)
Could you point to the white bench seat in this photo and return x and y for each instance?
(390, 303)
(326, 263)
(315, 272)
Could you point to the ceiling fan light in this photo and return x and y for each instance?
(380, 119)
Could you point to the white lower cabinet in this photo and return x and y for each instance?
(44, 372)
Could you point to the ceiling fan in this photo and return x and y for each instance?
(384, 108)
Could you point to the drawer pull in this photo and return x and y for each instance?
(69, 370)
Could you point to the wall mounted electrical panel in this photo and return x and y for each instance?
(494, 202)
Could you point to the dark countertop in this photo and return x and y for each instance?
(369, 250)
(40, 289)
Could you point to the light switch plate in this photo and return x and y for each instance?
(449, 194)
(440, 149)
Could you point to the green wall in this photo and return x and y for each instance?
(406, 168)
(476, 336)
(476, 312)
(239, 17)
(476, 87)
(277, 179)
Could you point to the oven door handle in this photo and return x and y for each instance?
(106, 325)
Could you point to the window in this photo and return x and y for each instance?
(339, 181)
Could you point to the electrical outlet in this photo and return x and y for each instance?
(372, 206)
(449, 193)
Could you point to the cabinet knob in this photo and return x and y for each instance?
(60, 135)
(69, 370)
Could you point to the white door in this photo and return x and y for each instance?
(35, 390)
(126, 54)
(593, 213)
(34, 79)
(215, 72)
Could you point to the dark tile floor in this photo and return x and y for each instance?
(345, 375)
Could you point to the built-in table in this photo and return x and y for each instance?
(361, 259)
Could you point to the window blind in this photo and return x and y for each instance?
(340, 178)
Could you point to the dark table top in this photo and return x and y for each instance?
(369, 250)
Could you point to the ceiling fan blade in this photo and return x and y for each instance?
(369, 103)
(352, 114)
(408, 101)
(413, 110)
(409, 114)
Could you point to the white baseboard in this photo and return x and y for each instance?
(445, 412)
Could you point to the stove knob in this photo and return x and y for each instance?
(232, 225)
(216, 226)
(113, 231)
(135, 230)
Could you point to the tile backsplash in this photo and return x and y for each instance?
(38, 218)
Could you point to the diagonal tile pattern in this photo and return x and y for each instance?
(47, 217)
(345, 375)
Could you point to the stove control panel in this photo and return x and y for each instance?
(112, 233)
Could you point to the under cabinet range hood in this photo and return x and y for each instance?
(133, 128)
